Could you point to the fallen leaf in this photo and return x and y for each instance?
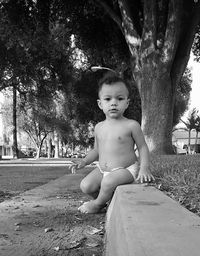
(48, 230)
(93, 230)
(57, 248)
(92, 245)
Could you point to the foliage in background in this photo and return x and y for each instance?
(192, 123)
(196, 45)
(182, 97)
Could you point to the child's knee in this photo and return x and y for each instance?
(107, 183)
(84, 186)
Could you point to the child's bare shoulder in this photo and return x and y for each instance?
(98, 126)
(133, 124)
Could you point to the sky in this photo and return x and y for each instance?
(195, 93)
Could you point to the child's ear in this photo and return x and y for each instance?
(128, 101)
(99, 103)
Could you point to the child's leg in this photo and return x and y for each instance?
(108, 186)
(91, 183)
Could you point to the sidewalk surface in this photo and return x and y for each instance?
(35, 162)
(45, 221)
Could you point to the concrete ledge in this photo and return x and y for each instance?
(143, 221)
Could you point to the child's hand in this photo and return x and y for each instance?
(145, 176)
(76, 166)
(73, 168)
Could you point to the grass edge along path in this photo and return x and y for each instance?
(179, 177)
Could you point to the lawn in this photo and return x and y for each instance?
(179, 177)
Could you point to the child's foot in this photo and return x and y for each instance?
(90, 207)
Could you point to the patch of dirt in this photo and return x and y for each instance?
(5, 195)
(51, 230)
(62, 231)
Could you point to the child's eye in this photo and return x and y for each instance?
(120, 98)
(107, 99)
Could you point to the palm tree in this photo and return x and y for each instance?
(190, 125)
(197, 128)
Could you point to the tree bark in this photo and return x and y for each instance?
(56, 143)
(15, 147)
(189, 139)
(49, 146)
(195, 144)
(157, 104)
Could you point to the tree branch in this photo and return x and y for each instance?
(127, 23)
(172, 33)
(149, 29)
(111, 13)
(132, 37)
(185, 43)
(31, 136)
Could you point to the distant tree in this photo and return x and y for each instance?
(182, 97)
(191, 124)
(14, 114)
(35, 119)
(197, 128)
(7, 115)
(34, 50)
(196, 45)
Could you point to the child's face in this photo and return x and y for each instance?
(113, 99)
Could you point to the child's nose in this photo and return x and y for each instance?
(114, 102)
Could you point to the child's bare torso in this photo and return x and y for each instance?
(115, 144)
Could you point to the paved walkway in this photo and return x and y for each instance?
(36, 162)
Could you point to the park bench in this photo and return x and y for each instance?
(143, 221)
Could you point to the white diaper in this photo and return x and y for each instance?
(133, 169)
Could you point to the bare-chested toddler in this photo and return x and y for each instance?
(115, 140)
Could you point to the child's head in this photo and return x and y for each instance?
(110, 79)
(113, 96)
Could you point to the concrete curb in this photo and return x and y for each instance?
(142, 220)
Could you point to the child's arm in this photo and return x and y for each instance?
(92, 156)
(144, 172)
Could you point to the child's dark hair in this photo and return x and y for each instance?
(111, 78)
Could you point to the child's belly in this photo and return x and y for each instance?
(116, 158)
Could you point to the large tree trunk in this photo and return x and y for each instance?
(157, 101)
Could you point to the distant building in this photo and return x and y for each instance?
(180, 140)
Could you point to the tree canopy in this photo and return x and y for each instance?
(147, 41)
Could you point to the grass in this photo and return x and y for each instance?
(179, 177)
